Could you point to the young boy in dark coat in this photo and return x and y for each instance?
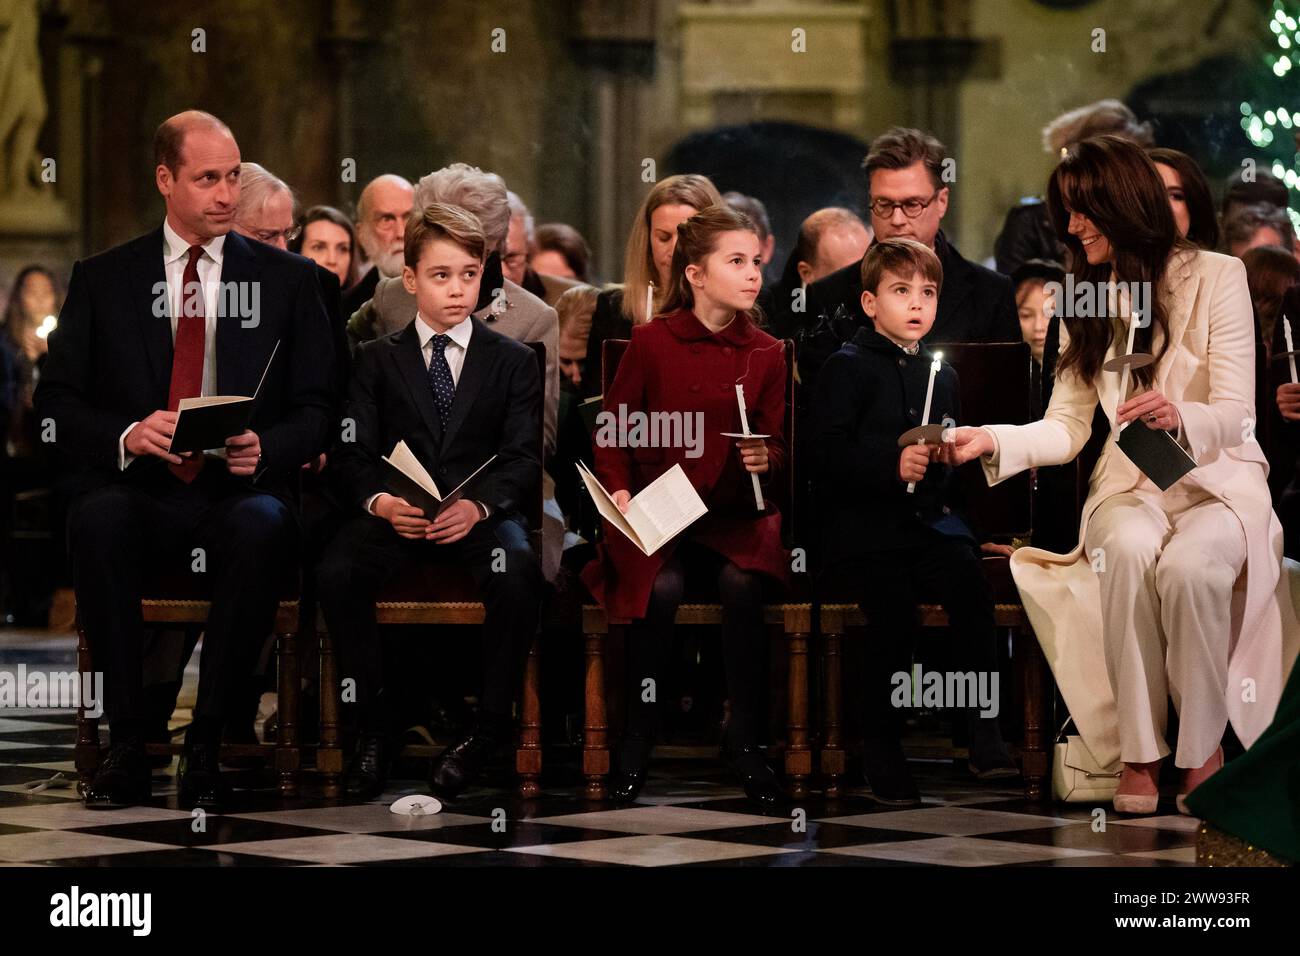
(893, 543)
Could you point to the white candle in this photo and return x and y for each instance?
(925, 415)
(650, 302)
(744, 427)
(1290, 347)
(1123, 376)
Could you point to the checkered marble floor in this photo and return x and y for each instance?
(690, 814)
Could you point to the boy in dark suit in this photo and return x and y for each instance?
(456, 393)
(900, 546)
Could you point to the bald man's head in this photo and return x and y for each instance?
(169, 138)
(381, 220)
(197, 172)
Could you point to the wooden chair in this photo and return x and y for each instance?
(995, 387)
(793, 619)
(181, 600)
(431, 594)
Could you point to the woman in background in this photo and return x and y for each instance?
(329, 240)
(648, 260)
(1189, 197)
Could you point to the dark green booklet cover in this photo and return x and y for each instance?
(1155, 453)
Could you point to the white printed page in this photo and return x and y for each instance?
(404, 460)
(664, 507)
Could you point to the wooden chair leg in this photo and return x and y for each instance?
(329, 754)
(595, 730)
(1037, 680)
(287, 755)
(86, 754)
(831, 764)
(528, 758)
(798, 756)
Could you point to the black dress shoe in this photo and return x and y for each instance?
(887, 774)
(629, 774)
(122, 779)
(200, 779)
(989, 757)
(368, 771)
(460, 764)
(756, 776)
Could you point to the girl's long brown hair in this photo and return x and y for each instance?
(1116, 185)
(697, 237)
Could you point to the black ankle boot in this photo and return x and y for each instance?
(629, 775)
(749, 764)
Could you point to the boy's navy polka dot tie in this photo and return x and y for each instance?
(440, 381)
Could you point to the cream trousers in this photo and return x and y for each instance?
(1167, 563)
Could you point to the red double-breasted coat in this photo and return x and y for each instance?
(676, 364)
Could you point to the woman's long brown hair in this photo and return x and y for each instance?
(1116, 185)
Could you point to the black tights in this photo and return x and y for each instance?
(650, 641)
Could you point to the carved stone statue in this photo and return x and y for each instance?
(22, 99)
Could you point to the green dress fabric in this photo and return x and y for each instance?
(1256, 797)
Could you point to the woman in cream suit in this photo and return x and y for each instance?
(1169, 594)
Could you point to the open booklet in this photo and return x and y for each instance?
(1156, 453)
(657, 514)
(408, 479)
(207, 422)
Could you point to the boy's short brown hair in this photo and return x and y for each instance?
(903, 257)
(441, 221)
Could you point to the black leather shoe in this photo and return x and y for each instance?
(200, 779)
(629, 775)
(122, 779)
(458, 766)
(756, 776)
(887, 774)
(989, 757)
(368, 772)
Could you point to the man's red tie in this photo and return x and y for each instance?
(187, 355)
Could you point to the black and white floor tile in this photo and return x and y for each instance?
(691, 814)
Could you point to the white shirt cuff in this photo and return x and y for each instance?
(370, 502)
(123, 459)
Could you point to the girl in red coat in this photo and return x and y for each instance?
(688, 361)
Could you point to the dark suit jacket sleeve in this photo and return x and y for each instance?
(354, 458)
(513, 478)
(302, 432)
(771, 419)
(1006, 318)
(83, 427)
(332, 298)
(848, 465)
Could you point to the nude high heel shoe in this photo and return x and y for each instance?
(1139, 791)
(1195, 776)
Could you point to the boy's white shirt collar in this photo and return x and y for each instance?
(460, 334)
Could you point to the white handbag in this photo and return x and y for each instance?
(1076, 776)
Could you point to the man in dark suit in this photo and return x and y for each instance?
(456, 393)
(905, 173)
(188, 310)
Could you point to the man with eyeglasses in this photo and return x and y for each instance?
(381, 223)
(908, 200)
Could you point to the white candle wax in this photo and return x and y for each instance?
(744, 427)
(650, 302)
(1290, 346)
(925, 415)
(1128, 350)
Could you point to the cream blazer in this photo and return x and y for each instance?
(1208, 373)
